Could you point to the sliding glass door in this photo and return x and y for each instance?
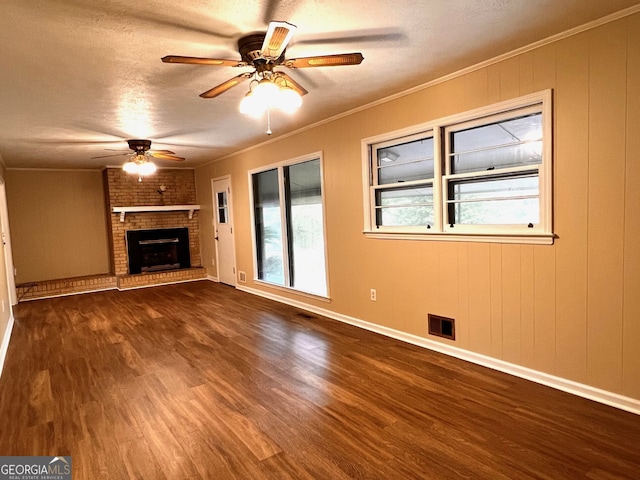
(289, 226)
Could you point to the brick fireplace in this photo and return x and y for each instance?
(168, 193)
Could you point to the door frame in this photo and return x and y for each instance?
(231, 224)
(8, 251)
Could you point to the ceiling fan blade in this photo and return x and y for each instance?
(276, 39)
(293, 84)
(325, 60)
(372, 35)
(269, 10)
(164, 156)
(223, 87)
(113, 155)
(203, 61)
(165, 152)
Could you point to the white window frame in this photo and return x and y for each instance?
(279, 166)
(540, 233)
(375, 186)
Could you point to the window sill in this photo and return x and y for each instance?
(530, 239)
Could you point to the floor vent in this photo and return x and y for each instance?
(442, 326)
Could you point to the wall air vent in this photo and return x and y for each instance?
(442, 326)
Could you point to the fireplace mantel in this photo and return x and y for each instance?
(155, 208)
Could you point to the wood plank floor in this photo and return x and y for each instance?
(199, 381)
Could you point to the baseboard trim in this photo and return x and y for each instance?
(213, 279)
(585, 391)
(5, 343)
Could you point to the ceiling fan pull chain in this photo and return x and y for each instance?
(268, 121)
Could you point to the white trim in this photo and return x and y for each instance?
(459, 73)
(155, 208)
(579, 389)
(211, 278)
(5, 343)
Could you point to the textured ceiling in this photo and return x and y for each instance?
(78, 77)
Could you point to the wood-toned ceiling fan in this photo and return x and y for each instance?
(264, 52)
(142, 148)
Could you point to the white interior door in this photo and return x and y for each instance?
(223, 223)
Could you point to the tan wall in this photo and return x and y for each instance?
(571, 309)
(58, 224)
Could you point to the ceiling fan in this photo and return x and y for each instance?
(139, 162)
(264, 52)
(141, 148)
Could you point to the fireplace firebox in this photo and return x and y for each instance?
(158, 250)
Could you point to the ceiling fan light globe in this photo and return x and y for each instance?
(147, 168)
(266, 89)
(289, 100)
(130, 167)
(248, 105)
(266, 94)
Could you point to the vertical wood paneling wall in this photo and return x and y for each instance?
(571, 309)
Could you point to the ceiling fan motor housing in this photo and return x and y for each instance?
(139, 145)
(250, 48)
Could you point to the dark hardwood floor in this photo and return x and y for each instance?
(199, 380)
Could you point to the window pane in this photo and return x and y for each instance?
(268, 226)
(222, 215)
(222, 199)
(405, 162)
(222, 207)
(497, 201)
(306, 227)
(411, 206)
(504, 144)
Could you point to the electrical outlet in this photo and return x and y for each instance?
(373, 295)
(213, 262)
